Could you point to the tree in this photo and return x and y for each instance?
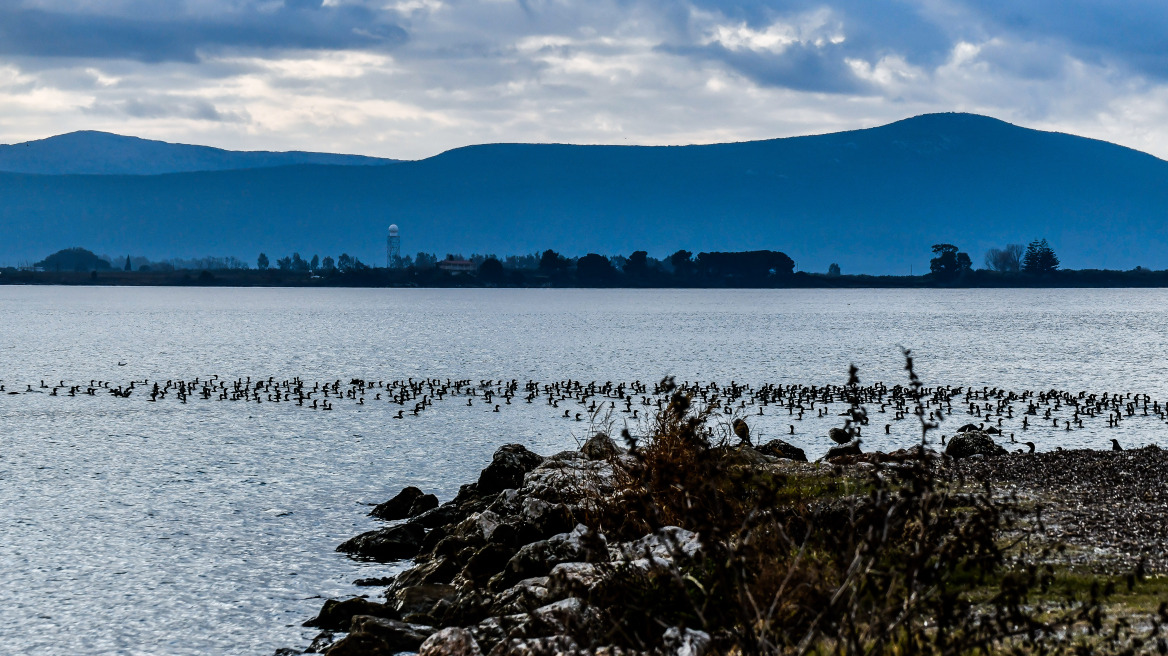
(1039, 258)
(593, 269)
(833, 270)
(1006, 260)
(491, 270)
(285, 263)
(127, 267)
(949, 262)
(262, 262)
(314, 263)
(298, 263)
(682, 262)
(328, 264)
(425, 261)
(637, 265)
(73, 259)
(551, 262)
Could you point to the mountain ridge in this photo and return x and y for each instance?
(92, 152)
(873, 200)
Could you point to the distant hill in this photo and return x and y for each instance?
(872, 200)
(102, 153)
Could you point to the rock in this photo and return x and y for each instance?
(508, 466)
(374, 581)
(537, 647)
(661, 546)
(321, 642)
(571, 481)
(523, 597)
(422, 504)
(487, 562)
(375, 636)
(599, 447)
(850, 449)
(387, 544)
(781, 449)
(335, 615)
(970, 443)
(538, 558)
(399, 506)
(685, 642)
(572, 579)
(420, 598)
(451, 641)
(547, 519)
(447, 513)
(439, 569)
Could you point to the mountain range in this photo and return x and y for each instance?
(102, 153)
(873, 200)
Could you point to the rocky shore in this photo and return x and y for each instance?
(517, 561)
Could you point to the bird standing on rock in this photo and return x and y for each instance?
(1115, 445)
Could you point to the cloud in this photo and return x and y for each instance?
(181, 36)
(409, 78)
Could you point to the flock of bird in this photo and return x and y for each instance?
(991, 410)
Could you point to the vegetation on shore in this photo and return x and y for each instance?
(695, 539)
(1014, 266)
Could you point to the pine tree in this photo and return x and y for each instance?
(1039, 258)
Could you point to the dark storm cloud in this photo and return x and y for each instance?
(1129, 34)
(800, 67)
(36, 32)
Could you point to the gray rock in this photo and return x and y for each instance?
(387, 544)
(508, 466)
(599, 447)
(971, 443)
(374, 636)
(419, 598)
(538, 558)
(335, 615)
(399, 506)
(686, 642)
(422, 504)
(781, 449)
(451, 641)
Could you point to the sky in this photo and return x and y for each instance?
(411, 78)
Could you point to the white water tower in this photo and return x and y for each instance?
(393, 248)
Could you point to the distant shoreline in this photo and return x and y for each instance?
(528, 279)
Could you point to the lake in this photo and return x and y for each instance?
(132, 527)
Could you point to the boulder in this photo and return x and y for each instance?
(538, 558)
(971, 443)
(781, 449)
(686, 642)
(661, 547)
(419, 598)
(335, 615)
(599, 447)
(508, 466)
(422, 504)
(523, 597)
(387, 544)
(374, 636)
(451, 641)
(447, 513)
(399, 506)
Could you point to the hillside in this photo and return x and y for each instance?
(102, 153)
(872, 200)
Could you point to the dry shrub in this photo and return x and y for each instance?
(900, 560)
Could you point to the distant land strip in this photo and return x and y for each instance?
(438, 278)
